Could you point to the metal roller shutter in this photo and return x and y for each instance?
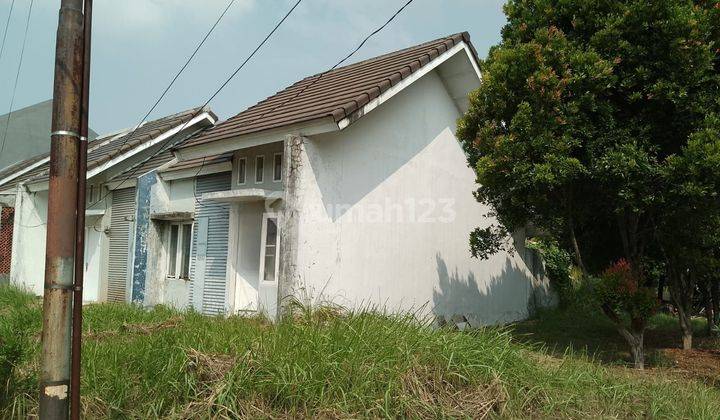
(210, 247)
(121, 226)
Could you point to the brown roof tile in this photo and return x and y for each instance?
(337, 93)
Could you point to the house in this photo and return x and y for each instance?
(25, 136)
(111, 204)
(170, 217)
(347, 187)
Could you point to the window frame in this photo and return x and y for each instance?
(243, 172)
(182, 225)
(281, 167)
(262, 172)
(263, 247)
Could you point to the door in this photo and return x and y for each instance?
(208, 265)
(91, 284)
(248, 222)
(122, 215)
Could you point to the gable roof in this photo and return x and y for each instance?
(338, 94)
(104, 149)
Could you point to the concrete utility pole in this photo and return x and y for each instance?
(62, 199)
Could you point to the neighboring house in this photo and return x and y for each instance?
(348, 187)
(170, 217)
(111, 205)
(24, 135)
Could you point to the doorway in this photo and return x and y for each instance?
(93, 253)
(248, 218)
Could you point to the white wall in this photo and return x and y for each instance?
(28, 254)
(244, 260)
(250, 154)
(386, 210)
(173, 196)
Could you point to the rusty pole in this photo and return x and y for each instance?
(62, 198)
(80, 227)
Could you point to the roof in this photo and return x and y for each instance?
(111, 146)
(203, 161)
(166, 156)
(337, 94)
(28, 133)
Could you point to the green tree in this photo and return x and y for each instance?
(587, 112)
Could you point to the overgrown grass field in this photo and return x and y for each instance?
(160, 363)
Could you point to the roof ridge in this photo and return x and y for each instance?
(391, 53)
(338, 95)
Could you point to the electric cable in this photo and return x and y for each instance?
(17, 77)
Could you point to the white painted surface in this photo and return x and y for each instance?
(250, 154)
(28, 254)
(386, 210)
(246, 256)
(173, 196)
(456, 66)
(93, 255)
(177, 292)
(242, 195)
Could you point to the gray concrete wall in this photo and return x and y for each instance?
(28, 133)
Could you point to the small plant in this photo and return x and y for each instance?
(558, 266)
(622, 299)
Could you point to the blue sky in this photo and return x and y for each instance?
(138, 45)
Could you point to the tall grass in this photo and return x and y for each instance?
(161, 363)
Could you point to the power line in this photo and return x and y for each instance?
(165, 91)
(7, 25)
(339, 63)
(162, 148)
(317, 79)
(17, 77)
(177, 75)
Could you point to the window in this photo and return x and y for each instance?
(270, 246)
(277, 167)
(242, 169)
(259, 168)
(180, 239)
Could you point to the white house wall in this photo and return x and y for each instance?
(268, 151)
(28, 253)
(248, 229)
(386, 210)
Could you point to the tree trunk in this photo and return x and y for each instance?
(634, 338)
(576, 246)
(715, 298)
(707, 303)
(661, 289)
(685, 327)
(682, 287)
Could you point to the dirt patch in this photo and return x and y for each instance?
(698, 364)
(443, 396)
(209, 369)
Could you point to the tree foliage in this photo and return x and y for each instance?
(597, 124)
